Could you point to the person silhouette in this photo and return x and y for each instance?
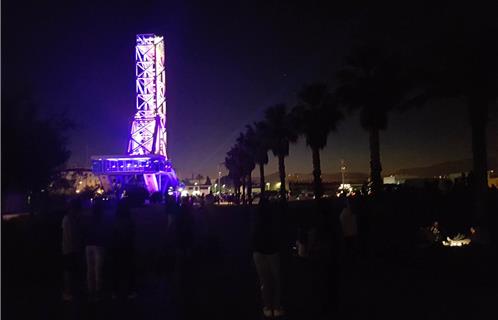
(95, 251)
(349, 230)
(123, 251)
(265, 241)
(72, 246)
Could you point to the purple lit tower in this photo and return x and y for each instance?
(148, 130)
(146, 155)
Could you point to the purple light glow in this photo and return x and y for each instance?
(147, 144)
(148, 130)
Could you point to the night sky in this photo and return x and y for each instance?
(225, 64)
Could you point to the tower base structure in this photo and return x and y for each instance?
(153, 172)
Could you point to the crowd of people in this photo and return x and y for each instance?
(338, 234)
(91, 243)
(327, 233)
(314, 240)
(100, 249)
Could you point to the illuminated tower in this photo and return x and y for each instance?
(148, 130)
(146, 153)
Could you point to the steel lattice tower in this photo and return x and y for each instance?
(146, 154)
(148, 130)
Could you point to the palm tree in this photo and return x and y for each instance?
(317, 114)
(261, 151)
(233, 163)
(372, 82)
(257, 146)
(463, 64)
(280, 132)
(246, 144)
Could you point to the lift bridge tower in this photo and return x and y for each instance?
(146, 161)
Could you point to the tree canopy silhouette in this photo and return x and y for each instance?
(373, 81)
(33, 148)
(317, 114)
(462, 63)
(233, 163)
(247, 144)
(260, 136)
(281, 131)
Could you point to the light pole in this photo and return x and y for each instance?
(219, 178)
(219, 182)
(343, 171)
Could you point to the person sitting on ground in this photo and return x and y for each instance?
(435, 231)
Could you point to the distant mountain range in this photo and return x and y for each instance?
(350, 177)
(443, 168)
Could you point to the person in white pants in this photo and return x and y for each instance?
(267, 259)
(95, 253)
(94, 264)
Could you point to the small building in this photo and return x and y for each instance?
(398, 178)
(196, 189)
(74, 181)
(196, 186)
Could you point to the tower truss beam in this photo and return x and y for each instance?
(148, 131)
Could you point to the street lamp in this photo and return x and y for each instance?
(343, 170)
(219, 181)
(219, 177)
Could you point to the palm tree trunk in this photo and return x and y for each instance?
(244, 190)
(375, 165)
(262, 178)
(235, 186)
(281, 171)
(249, 187)
(237, 190)
(317, 173)
(478, 117)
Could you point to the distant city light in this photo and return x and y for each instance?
(344, 188)
(170, 191)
